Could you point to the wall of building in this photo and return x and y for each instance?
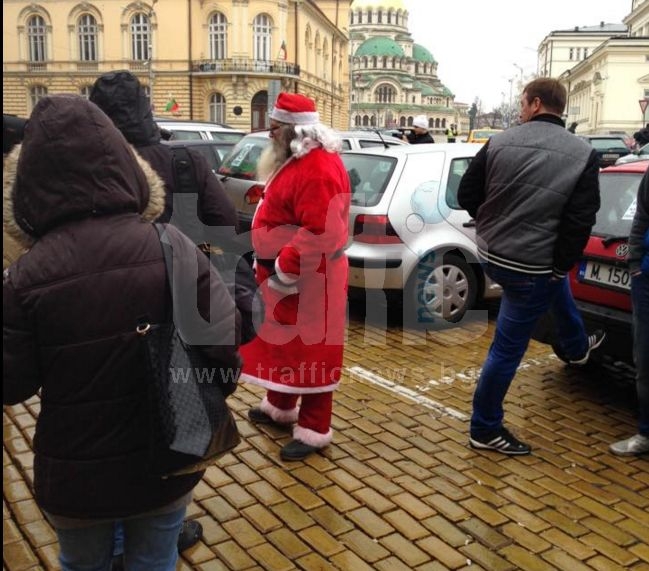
(313, 33)
(604, 90)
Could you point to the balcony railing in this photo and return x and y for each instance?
(242, 65)
(87, 66)
(37, 66)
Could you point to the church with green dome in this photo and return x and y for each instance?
(394, 79)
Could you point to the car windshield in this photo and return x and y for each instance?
(618, 195)
(483, 134)
(608, 144)
(214, 153)
(369, 176)
(226, 136)
(242, 160)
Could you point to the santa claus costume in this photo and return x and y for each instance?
(299, 232)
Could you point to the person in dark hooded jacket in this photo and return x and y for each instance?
(207, 217)
(80, 200)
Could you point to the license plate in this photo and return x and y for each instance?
(610, 156)
(605, 274)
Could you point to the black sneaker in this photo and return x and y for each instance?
(258, 416)
(502, 441)
(296, 450)
(190, 534)
(594, 341)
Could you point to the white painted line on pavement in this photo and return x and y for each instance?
(369, 376)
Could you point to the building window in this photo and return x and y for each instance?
(261, 36)
(36, 93)
(385, 94)
(87, 31)
(380, 17)
(578, 54)
(217, 108)
(37, 34)
(571, 54)
(85, 91)
(140, 37)
(218, 34)
(585, 53)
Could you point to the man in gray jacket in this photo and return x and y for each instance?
(534, 192)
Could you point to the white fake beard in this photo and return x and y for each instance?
(271, 158)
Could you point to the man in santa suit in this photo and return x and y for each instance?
(299, 232)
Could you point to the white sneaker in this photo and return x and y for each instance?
(637, 444)
(594, 341)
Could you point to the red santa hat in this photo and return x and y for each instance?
(295, 109)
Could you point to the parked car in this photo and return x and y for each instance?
(409, 236)
(481, 135)
(609, 148)
(199, 130)
(600, 282)
(642, 154)
(213, 151)
(239, 169)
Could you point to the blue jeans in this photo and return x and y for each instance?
(524, 300)
(150, 544)
(640, 301)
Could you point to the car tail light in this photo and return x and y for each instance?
(375, 229)
(254, 193)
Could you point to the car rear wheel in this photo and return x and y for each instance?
(441, 289)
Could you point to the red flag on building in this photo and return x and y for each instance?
(172, 105)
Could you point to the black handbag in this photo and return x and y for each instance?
(239, 278)
(191, 423)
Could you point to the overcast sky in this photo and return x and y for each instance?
(477, 42)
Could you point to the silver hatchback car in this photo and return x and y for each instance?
(409, 236)
(238, 172)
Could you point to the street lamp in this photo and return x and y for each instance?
(151, 76)
(521, 70)
(509, 111)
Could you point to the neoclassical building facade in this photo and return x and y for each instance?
(393, 79)
(219, 61)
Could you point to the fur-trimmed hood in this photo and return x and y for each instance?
(73, 164)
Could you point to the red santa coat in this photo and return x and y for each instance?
(299, 231)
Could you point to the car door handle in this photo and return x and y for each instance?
(469, 224)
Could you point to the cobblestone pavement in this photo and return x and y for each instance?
(399, 489)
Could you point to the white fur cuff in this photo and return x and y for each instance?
(311, 437)
(285, 278)
(279, 415)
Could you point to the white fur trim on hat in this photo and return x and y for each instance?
(420, 121)
(311, 437)
(280, 416)
(300, 118)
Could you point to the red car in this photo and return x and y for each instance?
(600, 282)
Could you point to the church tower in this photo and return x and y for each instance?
(393, 79)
